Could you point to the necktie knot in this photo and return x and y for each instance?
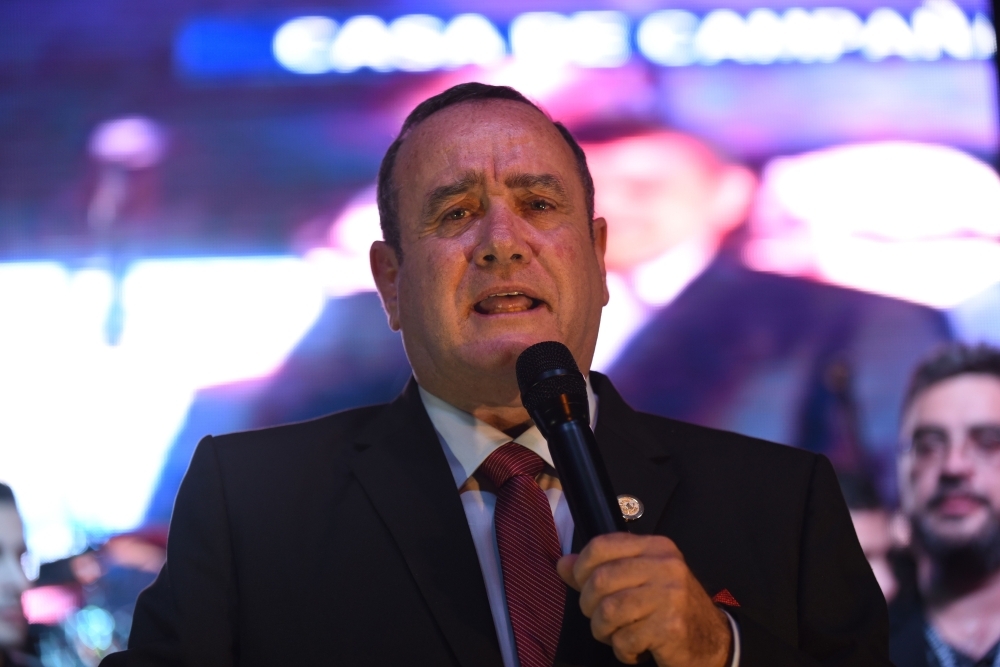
(511, 460)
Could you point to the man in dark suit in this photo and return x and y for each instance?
(358, 538)
(806, 364)
(783, 358)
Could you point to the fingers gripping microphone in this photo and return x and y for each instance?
(554, 393)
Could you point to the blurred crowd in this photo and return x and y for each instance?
(733, 305)
(80, 608)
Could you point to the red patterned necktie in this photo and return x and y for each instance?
(529, 549)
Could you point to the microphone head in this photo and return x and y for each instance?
(546, 370)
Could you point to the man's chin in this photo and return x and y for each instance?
(959, 530)
(964, 551)
(499, 353)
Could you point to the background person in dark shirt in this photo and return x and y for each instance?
(949, 473)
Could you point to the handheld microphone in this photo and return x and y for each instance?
(554, 393)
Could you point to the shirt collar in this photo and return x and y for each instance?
(467, 441)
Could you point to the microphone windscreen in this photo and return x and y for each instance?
(546, 370)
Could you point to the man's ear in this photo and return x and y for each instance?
(600, 227)
(385, 271)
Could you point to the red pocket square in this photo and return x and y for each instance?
(726, 598)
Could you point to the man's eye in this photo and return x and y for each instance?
(928, 445)
(987, 439)
(456, 214)
(540, 205)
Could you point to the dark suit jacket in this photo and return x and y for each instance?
(343, 541)
(753, 352)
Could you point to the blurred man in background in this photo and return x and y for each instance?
(13, 582)
(949, 474)
(692, 333)
(673, 201)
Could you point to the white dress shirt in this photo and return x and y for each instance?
(467, 442)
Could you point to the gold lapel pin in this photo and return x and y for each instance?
(631, 507)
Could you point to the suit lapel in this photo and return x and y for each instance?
(637, 462)
(403, 470)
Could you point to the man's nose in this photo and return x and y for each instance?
(960, 458)
(502, 239)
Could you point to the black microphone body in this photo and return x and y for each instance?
(555, 394)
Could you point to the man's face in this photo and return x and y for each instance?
(657, 191)
(950, 471)
(497, 249)
(13, 627)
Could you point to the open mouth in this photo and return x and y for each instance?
(506, 302)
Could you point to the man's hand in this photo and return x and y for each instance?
(640, 596)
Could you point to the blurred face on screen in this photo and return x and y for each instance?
(13, 626)
(497, 250)
(950, 471)
(661, 190)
